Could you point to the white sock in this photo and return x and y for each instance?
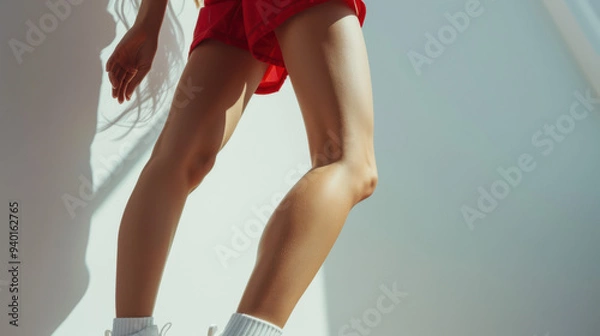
(246, 325)
(123, 326)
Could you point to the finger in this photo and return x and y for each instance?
(114, 76)
(126, 81)
(135, 81)
(121, 89)
(119, 77)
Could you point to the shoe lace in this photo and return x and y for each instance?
(163, 331)
(212, 330)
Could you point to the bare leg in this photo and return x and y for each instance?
(325, 53)
(185, 152)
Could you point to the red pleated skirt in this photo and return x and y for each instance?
(250, 25)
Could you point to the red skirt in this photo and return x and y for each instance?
(250, 25)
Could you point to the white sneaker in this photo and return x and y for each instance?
(212, 330)
(149, 331)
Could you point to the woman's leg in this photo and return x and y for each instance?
(325, 53)
(198, 126)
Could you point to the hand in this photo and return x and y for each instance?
(131, 61)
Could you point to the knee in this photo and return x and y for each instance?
(198, 167)
(360, 180)
(189, 169)
(366, 181)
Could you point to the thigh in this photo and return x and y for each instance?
(325, 54)
(213, 91)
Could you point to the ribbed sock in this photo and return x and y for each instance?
(123, 326)
(246, 325)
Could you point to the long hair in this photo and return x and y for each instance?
(152, 93)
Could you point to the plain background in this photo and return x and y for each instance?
(529, 267)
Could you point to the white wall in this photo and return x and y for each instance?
(529, 267)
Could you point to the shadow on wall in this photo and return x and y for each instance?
(51, 74)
